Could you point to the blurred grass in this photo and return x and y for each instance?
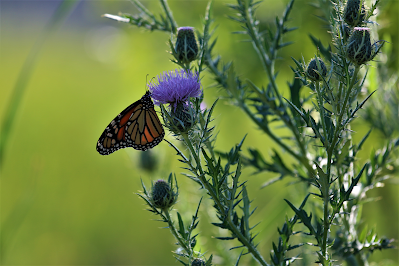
(83, 209)
(57, 18)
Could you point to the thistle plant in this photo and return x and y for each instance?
(325, 223)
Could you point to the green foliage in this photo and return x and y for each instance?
(306, 139)
(326, 160)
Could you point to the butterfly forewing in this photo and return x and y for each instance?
(137, 126)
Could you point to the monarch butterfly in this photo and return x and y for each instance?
(137, 126)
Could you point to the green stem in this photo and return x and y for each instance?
(338, 126)
(268, 65)
(142, 8)
(302, 159)
(168, 13)
(219, 205)
(201, 176)
(322, 115)
(265, 128)
(174, 232)
(209, 147)
(266, 62)
(326, 224)
(338, 130)
(245, 238)
(251, 248)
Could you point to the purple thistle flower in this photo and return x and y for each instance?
(175, 87)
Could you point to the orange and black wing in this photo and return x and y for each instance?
(137, 126)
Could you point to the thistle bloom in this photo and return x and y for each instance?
(175, 87)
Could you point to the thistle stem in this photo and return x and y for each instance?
(201, 176)
(338, 130)
(322, 116)
(302, 159)
(219, 205)
(174, 232)
(168, 13)
(251, 249)
(268, 65)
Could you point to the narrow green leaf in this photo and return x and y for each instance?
(296, 109)
(238, 259)
(209, 261)
(182, 230)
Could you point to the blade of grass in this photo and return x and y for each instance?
(14, 220)
(63, 10)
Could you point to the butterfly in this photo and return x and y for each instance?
(137, 126)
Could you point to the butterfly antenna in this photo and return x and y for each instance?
(146, 79)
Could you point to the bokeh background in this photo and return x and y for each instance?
(64, 204)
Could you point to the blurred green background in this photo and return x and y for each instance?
(64, 204)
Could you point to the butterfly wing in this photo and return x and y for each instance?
(113, 138)
(144, 130)
(137, 126)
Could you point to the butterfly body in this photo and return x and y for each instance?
(137, 126)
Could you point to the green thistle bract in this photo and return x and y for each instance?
(186, 45)
(183, 117)
(312, 74)
(162, 195)
(359, 49)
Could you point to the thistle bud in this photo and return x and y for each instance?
(148, 161)
(198, 262)
(186, 45)
(359, 47)
(353, 14)
(312, 74)
(162, 195)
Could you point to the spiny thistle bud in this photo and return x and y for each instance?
(186, 45)
(198, 262)
(359, 46)
(162, 195)
(148, 161)
(312, 74)
(353, 14)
